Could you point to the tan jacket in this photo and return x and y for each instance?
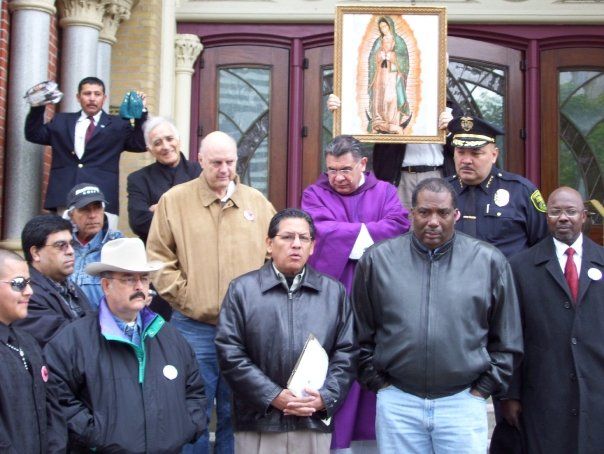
(205, 245)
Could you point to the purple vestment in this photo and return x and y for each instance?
(338, 220)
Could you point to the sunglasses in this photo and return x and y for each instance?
(63, 245)
(18, 284)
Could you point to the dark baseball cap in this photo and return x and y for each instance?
(84, 193)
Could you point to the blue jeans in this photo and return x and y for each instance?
(201, 337)
(409, 424)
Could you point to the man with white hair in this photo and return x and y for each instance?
(125, 380)
(208, 231)
(147, 185)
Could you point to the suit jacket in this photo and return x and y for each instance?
(561, 381)
(147, 185)
(99, 163)
(47, 313)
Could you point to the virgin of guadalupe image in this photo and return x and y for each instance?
(389, 111)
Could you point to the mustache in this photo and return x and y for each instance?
(137, 295)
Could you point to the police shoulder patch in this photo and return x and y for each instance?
(538, 201)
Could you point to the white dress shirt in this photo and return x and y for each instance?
(562, 257)
(79, 141)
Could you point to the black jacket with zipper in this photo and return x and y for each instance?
(262, 329)
(433, 323)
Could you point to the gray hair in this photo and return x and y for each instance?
(342, 145)
(153, 123)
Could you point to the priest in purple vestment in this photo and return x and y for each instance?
(351, 210)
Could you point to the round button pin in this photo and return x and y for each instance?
(170, 372)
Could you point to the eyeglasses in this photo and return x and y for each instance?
(569, 212)
(18, 284)
(345, 172)
(63, 245)
(131, 280)
(291, 237)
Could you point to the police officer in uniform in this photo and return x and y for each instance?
(499, 207)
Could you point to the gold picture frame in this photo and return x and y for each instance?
(390, 68)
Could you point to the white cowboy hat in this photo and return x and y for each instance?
(126, 255)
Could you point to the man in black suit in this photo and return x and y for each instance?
(147, 185)
(86, 145)
(557, 395)
(47, 245)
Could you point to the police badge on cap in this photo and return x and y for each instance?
(472, 132)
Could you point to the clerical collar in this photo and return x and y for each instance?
(362, 182)
(292, 283)
(229, 193)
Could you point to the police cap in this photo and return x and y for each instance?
(471, 132)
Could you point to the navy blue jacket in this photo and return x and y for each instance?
(99, 163)
(118, 397)
(509, 209)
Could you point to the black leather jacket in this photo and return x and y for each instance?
(433, 323)
(261, 331)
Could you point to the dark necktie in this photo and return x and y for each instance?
(469, 214)
(90, 130)
(571, 275)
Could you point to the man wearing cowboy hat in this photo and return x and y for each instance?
(126, 380)
(499, 207)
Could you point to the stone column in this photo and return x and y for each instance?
(117, 11)
(166, 70)
(82, 21)
(188, 47)
(28, 66)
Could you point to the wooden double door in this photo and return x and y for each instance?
(269, 88)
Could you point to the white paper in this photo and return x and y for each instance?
(310, 370)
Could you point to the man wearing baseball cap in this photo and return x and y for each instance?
(496, 206)
(91, 230)
(127, 381)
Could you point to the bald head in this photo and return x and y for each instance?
(218, 159)
(217, 140)
(6, 255)
(566, 214)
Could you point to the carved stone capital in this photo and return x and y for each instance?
(188, 47)
(116, 11)
(88, 13)
(46, 6)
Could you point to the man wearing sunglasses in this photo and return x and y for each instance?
(48, 248)
(23, 426)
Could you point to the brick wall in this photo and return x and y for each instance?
(135, 65)
(4, 50)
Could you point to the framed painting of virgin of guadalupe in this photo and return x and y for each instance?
(390, 73)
